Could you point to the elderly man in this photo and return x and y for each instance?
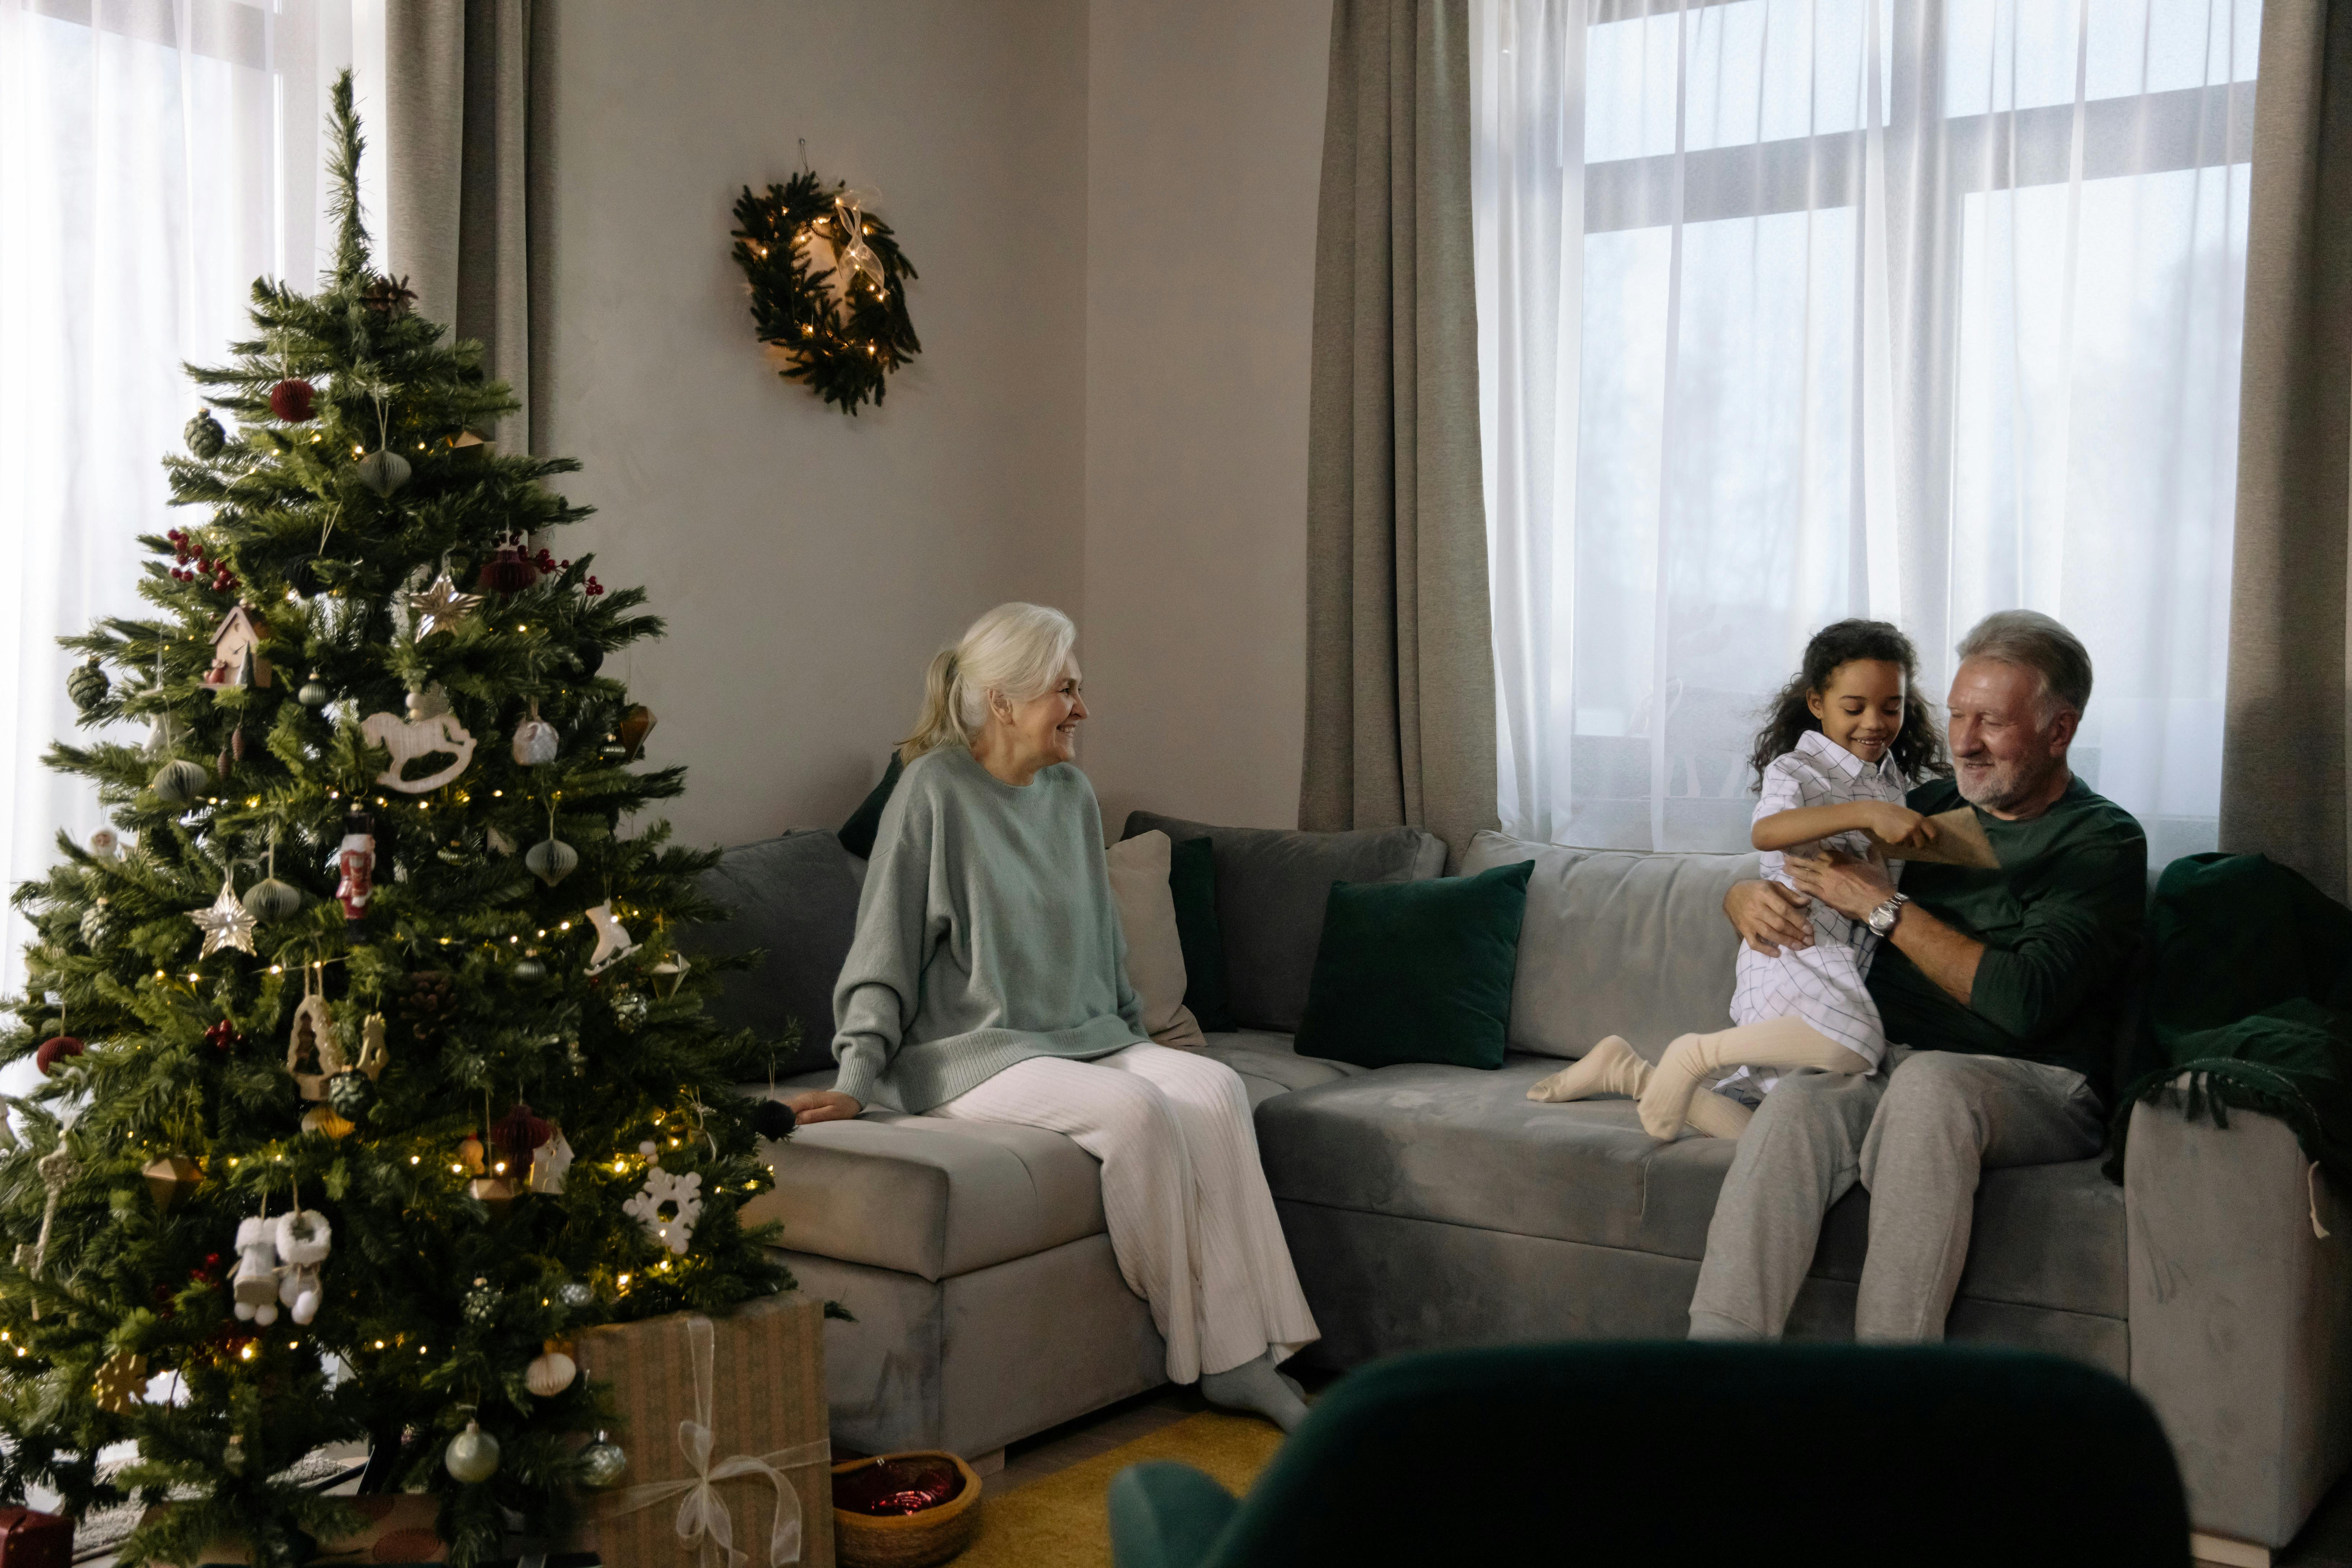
(1996, 989)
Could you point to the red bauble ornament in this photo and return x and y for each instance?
(53, 1047)
(506, 572)
(518, 1131)
(293, 401)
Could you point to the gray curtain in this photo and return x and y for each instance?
(1400, 659)
(467, 178)
(2283, 750)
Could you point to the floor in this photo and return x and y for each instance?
(2325, 1541)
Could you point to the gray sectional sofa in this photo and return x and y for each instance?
(1433, 1206)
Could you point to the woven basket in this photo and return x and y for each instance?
(908, 1539)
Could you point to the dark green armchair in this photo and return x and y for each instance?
(1660, 1455)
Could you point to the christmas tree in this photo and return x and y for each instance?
(378, 962)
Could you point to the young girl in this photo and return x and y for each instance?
(1848, 734)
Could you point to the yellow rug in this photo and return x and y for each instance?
(1062, 1520)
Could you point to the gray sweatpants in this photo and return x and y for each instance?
(1916, 1134)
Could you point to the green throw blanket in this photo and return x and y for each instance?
(2250, 994)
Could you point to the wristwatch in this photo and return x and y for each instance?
(1882, 918)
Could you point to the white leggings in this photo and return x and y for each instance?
(1185, 1199)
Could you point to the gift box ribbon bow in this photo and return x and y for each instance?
(703, 1522)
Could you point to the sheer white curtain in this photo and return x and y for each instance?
(155, 157)
(1794, 310)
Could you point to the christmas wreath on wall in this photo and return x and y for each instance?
(828, 288)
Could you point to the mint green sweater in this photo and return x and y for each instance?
(986, 935)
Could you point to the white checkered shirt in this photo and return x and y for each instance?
(1822, 983)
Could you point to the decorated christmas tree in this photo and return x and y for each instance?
(373, 1068)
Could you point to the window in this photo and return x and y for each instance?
(156, 156)
(1794, 310)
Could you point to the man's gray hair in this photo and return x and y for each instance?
(2034, 641)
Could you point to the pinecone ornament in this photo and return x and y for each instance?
(426, 1004)
(88, 684)
(481, 1303)
(205, 438)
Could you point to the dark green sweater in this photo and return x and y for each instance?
(2059, 921)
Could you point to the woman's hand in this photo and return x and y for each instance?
(1851, 887)
(822, 1105)
(1767, 917)
(1892, 824)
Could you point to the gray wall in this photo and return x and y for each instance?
(1112, 208)
(1204, 140)
(809, 564)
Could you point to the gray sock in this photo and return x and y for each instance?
(1255, 1386)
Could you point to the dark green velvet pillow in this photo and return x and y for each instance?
(1417, 972)
(857, 835)
(1193, 882)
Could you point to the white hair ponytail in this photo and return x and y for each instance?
(1016, 652)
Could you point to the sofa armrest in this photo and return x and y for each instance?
(1166, 1515)
(2238, 1316)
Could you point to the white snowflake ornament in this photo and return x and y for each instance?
(682, 1195)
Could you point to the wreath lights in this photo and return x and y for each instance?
(828, 288)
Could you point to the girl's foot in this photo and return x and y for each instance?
(1610, 1068)
(1667, 1102)
(1256, 1388)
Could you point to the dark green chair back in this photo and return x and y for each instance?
(1661, 1455)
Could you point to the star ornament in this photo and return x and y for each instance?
(226, 924)
(441, 607)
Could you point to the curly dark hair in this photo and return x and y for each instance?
(1918, 748)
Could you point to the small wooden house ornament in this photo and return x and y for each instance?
(313, 1055)
(236, 661)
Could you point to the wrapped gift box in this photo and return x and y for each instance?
(753, 1380)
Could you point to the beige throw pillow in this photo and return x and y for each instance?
(1155, 958)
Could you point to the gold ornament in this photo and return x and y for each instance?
(441, 607)
(121, 1380)
(170, 1179)
(322, 1118)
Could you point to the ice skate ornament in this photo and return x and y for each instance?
(302, 1238)
(682, 1195)
(614, 941)
(429, 728)
(254, 1287)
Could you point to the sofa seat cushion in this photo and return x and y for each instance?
(925, 1195)
(1269, 1065)
(1462, 1146)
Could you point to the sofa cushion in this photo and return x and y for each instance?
(1617, 942)
(1192, 888)
(1271, 886)
(1417, 972)
(1460, 1146)
(796, 897)
(857, 835)
(925, 1195)
(1270, 1064)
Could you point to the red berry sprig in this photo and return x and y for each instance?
(549, 566)
(214, 574)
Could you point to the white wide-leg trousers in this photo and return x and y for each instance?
(1190, 1218)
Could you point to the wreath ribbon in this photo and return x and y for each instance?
(703, 1522)
(853, 250)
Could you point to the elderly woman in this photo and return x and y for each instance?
(988, 982)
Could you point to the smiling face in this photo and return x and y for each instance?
(1861, 706)
(2009, 745)
(1043, 731)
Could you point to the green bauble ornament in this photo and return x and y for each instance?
(528, 972)
(602, 1462)
(551, 860)
(205, 438)
(179, 781)
(383, 472)
(473, 1455)
(88, 684)
(97, 924)
(481, 1303)
(314, 692)
(271, 899)
(351, 1094)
